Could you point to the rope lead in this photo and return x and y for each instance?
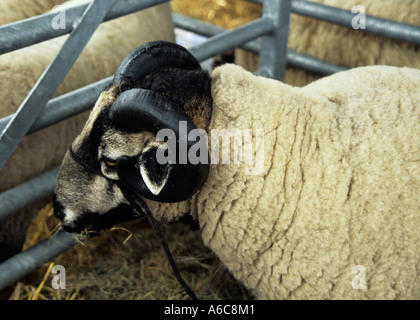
(138, 204)
(141, 206)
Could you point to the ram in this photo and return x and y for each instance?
(19, 71)
(337, 192)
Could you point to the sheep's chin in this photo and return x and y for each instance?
(90, 221)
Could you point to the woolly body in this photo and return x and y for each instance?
(340, 185)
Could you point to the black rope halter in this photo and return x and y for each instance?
(141, 207)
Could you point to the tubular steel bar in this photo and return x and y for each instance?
(295, 59)
(27, 32)
(31, 259)
(383, 27)
(65, 106)
(208, 30)
(233, 38)
(274, 46)
(312, 64)
(32, 106)
(27, 193)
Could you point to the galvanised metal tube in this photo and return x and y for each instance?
(27, 193)
(27, 32)
(65, 106)
(208, 30)
(232, 39)
(36, 100)
(384, 27)
(263, 72)
(196, 26)
(312, 64)
(295, 59)
(31, 259)
(273, 52)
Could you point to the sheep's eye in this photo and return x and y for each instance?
(111, 163)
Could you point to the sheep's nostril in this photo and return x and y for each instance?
(58, 209)
(59, 214)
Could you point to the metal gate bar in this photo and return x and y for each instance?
(208, 30)
(273, 49)
(293, 58)
(232, 38)
(31, 259)
(27, 193)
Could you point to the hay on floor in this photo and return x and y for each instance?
(127, 262)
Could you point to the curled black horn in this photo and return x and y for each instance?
(136, 110)
(154, 56)
(141, 109)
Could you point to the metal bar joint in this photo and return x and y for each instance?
(273, 53)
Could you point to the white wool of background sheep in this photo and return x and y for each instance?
(340, 186)
(19, 71)
(345, 46)
(14, 10)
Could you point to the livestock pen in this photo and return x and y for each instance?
(271, 30)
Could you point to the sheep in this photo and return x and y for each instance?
(21, 69)
(334, 212)
(345, 46)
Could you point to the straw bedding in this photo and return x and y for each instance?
(127, 262)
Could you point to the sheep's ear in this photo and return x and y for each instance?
(129, 176)
(154, 56)
(182, 182)
(154, 174)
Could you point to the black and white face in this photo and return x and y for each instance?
(87, 194)
(83, 199)
(117, 149)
